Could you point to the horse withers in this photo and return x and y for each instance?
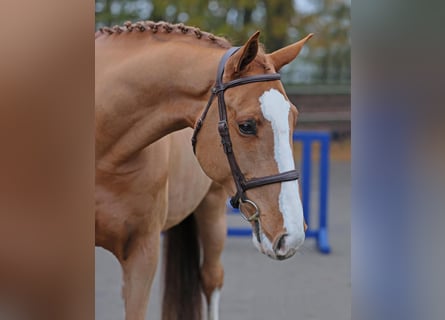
(153, 79)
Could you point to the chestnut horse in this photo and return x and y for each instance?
(153, 79)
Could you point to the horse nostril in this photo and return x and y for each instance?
(280, 243)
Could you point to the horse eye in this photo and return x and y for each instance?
(248, 127)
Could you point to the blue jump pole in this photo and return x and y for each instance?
(306, 172)
(322, 240)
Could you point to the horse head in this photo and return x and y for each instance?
(260, 121)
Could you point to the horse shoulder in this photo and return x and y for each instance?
(187, 183)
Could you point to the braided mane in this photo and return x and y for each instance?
(162, 27)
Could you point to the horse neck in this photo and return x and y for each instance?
(145, 92)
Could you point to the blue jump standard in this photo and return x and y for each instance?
(307, 138)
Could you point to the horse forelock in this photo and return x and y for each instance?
(162, 27)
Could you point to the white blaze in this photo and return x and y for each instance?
(276, 109)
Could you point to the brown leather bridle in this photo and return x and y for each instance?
(242, 185)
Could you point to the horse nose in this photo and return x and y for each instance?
(280, 242)
(286, 245)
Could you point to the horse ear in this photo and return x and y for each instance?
(285, 55)
(246, 54)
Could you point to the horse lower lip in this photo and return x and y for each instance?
(287, 255)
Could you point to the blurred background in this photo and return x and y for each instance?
(311, 285)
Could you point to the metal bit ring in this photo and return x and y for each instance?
(253, 217)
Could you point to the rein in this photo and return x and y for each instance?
(242, 185)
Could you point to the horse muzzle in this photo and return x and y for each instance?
(283, 247)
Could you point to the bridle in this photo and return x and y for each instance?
(242, 185)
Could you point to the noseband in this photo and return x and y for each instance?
(242, 185)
